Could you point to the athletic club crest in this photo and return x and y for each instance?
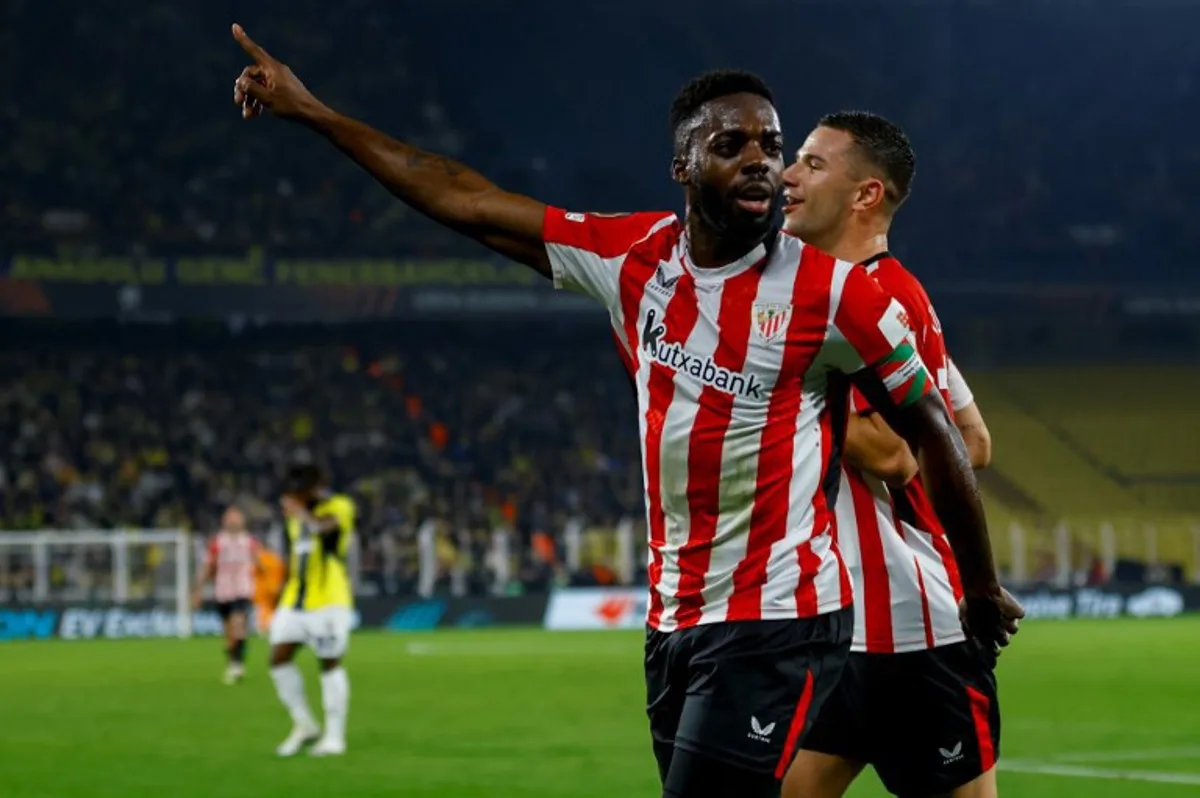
(771, 319)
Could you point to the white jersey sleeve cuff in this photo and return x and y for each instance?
(960, 393)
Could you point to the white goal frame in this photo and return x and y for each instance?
(119, 540)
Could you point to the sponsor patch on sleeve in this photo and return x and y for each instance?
(894, 324)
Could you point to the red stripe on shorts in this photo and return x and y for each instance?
(980, 706)
(798, 721)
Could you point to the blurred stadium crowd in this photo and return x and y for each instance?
(1043, 185)
(527, 427)
(464, 429)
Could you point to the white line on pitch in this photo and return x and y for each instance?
(1130, 756)
(1073, 771)
(1077, 728)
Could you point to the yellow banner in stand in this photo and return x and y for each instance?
(256, 268)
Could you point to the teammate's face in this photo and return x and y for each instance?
(821, 187)
(734, 164)
(233, 520)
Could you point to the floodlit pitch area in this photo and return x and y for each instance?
(1097, 709)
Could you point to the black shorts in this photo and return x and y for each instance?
(927, 721)
(742, 693)
(227, 608)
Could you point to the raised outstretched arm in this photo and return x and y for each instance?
(438, 187)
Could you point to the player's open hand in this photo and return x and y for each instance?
(269, 85)
(992, 618)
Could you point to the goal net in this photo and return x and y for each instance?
(95, 583)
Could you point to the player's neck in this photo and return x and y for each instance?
(856, 248)
(709, 249)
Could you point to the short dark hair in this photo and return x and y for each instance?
(707, 87)
(884, 145)
(303, 478)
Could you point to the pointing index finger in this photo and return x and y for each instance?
(252, 49)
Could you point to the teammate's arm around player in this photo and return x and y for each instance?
(438, 187)
(872, 447)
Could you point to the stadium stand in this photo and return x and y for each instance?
(1090, 446)
(1136, 425)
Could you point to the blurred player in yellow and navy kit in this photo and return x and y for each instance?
(315, 608)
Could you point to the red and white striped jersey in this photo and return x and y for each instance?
(235, 555)
(906, 582)
(740, 376)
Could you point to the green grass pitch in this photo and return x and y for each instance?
(1097, 709)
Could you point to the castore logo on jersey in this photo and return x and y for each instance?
(661, 283)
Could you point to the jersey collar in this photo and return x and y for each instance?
(747, 261)
(877, 257)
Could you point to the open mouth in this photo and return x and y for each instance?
(791, 203)
(755, 199)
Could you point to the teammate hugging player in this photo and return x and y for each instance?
(315, 608)
(918, 700)
(741, 343)
(231, 565)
